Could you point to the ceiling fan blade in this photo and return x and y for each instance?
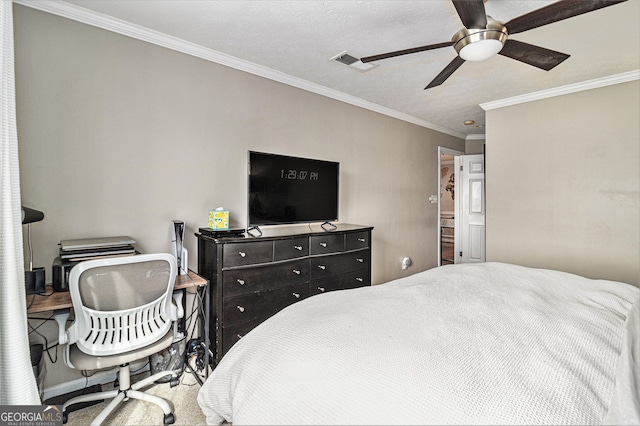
(405, 52)
(556, 12)
(533, 55)
(471, 13)
(446, 72)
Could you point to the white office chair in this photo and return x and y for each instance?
(124, 312)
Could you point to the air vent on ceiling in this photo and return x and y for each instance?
(352, 62)
(346, 59)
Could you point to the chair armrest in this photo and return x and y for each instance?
(177, 310)
(61, 316)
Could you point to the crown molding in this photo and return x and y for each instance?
(563, 90)
(86, 16)
(476, 137)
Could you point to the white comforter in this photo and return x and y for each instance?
(463, 344)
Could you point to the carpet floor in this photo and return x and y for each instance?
(182, 399)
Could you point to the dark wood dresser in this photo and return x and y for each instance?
(252, 278)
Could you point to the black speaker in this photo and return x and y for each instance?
(34, 281)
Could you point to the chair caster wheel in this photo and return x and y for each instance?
(169, 419)
(174, 382)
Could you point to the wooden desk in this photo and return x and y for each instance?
(52, 301)
(62, 300)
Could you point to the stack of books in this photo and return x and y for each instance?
(96, 248)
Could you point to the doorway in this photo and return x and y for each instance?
(446, 205)
(461, 207)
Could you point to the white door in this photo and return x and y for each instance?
(470, 218)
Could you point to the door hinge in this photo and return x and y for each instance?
(461, 167)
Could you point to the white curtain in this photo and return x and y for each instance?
(17, 382)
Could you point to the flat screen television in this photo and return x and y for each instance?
(285, 190)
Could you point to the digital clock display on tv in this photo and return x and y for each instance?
(298, 174)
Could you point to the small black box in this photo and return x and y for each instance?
(220, 233)
(60, 271)
(34, 281)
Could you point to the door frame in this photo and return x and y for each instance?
(455, 153)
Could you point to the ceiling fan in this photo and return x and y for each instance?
(483, 37)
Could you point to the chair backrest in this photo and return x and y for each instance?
(122, 303)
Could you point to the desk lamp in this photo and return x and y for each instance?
(34, 279)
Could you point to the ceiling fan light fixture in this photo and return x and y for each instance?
(480, 50)
(480, 44)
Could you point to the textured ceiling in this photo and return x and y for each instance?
(298, 38)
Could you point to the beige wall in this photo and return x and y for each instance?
(474, 146)
(563, 178)
(118, 136)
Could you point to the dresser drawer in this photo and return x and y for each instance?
(322, 244)
(262, 278)
(262, 304)
(357, 240)
(349, 280)
(240, 254)
(325, 266)
(290, 248)
(233, 333)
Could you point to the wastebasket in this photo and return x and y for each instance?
(171, 358)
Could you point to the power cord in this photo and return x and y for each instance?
(195, 353)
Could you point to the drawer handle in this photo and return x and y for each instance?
(295, 271)
(299, 248)
(242, 254)
(321, 288)
(360, 279)
(362, 240)
(323, 245)
(241, 282)
(240, 308)
(360, 260)
(322, 267)
(296, 295)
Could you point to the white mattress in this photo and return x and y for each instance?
(461, 344)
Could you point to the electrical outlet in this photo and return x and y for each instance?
(406, 262)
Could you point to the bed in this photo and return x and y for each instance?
(487, 343)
